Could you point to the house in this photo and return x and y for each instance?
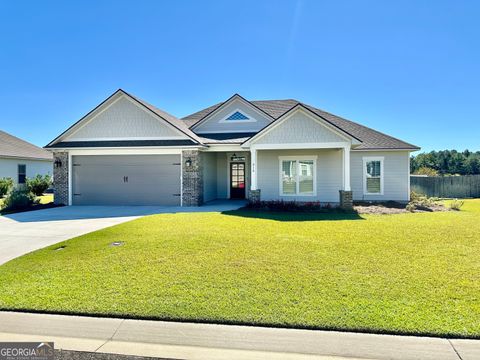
(128, 152)
(20, 159)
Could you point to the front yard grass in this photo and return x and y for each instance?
(406, 273)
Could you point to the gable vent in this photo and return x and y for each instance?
(237, 116)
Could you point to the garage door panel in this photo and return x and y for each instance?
(126, 180)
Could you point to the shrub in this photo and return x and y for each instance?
(456, 204)
(6, 184)
(39, 184)
(421, 202)
(19, 200)
(411, 207)
(281, 205)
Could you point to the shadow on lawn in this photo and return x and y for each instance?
(294, 216)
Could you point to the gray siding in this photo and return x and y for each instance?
(299, 128)
(213, 124)
(222, 176)
(329, 174)
(209, 176)
(124, 119)
(9, 168)
(396, 177)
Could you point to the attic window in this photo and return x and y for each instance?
(237, 115)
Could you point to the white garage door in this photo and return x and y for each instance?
(126, 180)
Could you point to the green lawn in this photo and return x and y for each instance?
(408, 273)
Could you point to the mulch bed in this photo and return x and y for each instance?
(393, 208)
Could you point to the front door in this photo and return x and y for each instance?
(237, 180)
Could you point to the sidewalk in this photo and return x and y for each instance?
(207, 341)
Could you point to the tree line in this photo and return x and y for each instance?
(446, 162)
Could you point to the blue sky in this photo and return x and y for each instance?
(410, 68)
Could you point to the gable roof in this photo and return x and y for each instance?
(371, 139)
(13, 147)
(170, 119)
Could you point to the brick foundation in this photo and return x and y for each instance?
(254, 195)
(346, 200)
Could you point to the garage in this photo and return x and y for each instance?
(126, 180)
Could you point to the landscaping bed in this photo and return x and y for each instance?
(411, 273)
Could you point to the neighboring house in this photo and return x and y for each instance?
(127, 152)
(20, 159)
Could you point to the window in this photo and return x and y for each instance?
(373, 175)
(237, 115)
(22, 173)
(297, 176)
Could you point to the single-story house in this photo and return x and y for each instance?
(20, 159)
(128, 152)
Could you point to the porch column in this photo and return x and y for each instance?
(254, 193)
(346, 168)
(253, 169)
(346, 196)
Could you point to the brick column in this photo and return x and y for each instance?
(192, 177)
(254, 195)
(60, 178)
(346, 200)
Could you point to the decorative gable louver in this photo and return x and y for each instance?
(237, 115)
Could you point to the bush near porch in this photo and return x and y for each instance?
(411, 273)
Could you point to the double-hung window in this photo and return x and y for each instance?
(22, 173)
(298, 176)
(373, 175)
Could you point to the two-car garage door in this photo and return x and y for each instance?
(126, 180)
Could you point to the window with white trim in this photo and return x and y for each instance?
(298, 176)
(373, 175)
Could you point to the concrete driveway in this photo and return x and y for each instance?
(24, 232)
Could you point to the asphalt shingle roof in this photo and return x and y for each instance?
(371, 139)
(13, 147)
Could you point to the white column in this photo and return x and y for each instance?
(70, 187)
(253, 169)
(346, 168)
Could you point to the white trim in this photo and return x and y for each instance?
(408, 172)
(382, 175)
(384, 150)
(253, 169)
(249, 118)
(226, 131)
(128, 138)
(181, 179)
(346, 169)
(224, 147)
(125, 152)
(70, 184)
(297, 184)
(225, 104)
(294, 146)
(312, 116)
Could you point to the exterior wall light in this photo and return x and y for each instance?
(57, 163)
(188, 163)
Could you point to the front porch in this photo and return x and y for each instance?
(315, 174)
